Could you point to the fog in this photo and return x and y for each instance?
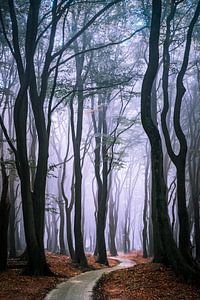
(79, 130)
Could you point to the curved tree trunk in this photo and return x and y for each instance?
(164, 245)
(36, 257)
(180, 159)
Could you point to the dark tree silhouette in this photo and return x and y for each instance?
(165, 249)
(4, 218)
(179, 159)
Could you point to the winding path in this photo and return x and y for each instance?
(80, 287)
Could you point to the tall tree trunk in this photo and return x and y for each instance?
(13, 192)
(194, 175)
(97, 163)
(36, 257)
(60, 201)
(76, 138)
(39, 186)
(102, 181)
(68, 207)
(164, 246)
(180, 159)
(114, 199)
(4, 219)
(12, 228)
(112, 226)
(62, 226)
(144, 231)
(69, 233)
(35, 260)
(102, 206)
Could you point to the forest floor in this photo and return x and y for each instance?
(15, 286)
(145, 281)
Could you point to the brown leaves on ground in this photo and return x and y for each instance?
(17, 287)
(144, 281)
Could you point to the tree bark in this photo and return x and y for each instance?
(144, 231)
(76, 138)
(180, 159)
(164, 245)
(68, 206)
(36, 257)
(112, 225)
(12, 228)
(4, 219)
(102, 179)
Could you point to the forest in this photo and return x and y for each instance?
(100, 131)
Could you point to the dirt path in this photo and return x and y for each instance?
(80, 287)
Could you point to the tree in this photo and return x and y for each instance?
(4, 218)
(113, 212)
(165, 249)
(68, 204)
(8, 82)
(180, 159)
(193, 160)
(145, 228)
(35, 27)
(60, 200)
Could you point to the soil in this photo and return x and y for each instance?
(147, 281)
(18, 287)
